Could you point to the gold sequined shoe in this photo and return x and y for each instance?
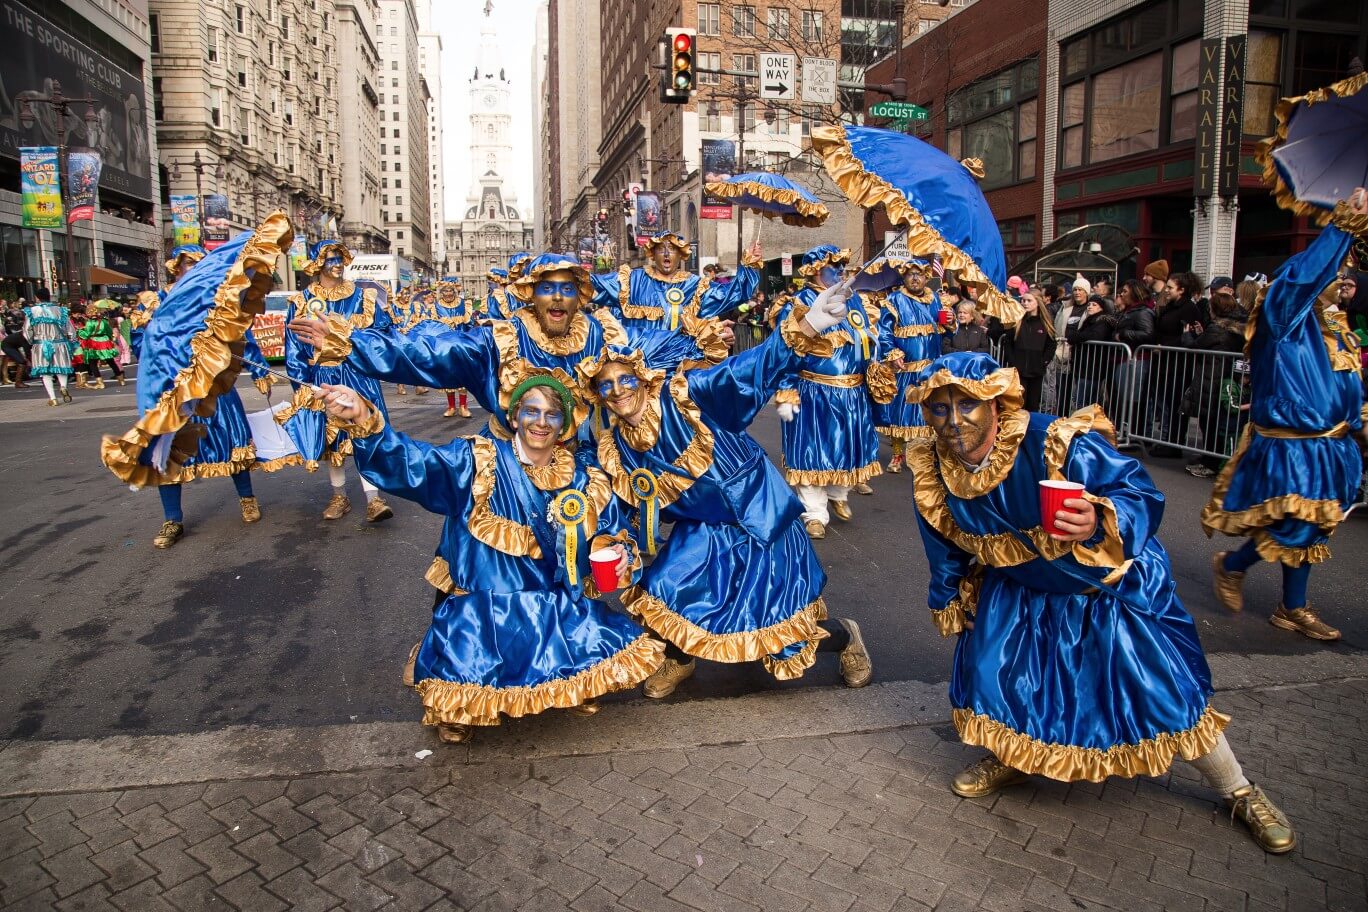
(377, 510)
(421, 391)
(856, 668)
(667, 677)
(463, 412)
(1304, 621)
(815, 529)
(586, 709)
(251, 510)
(169, 534)
(1227, 583)
(1267, 824)
(454, 732)
(52, 402)
(411, 664)
(449, 413)
(841, 510)
(862, 488)
(401, 389)
(338, 507)
(984, 778)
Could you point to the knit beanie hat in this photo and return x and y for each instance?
(1159, 269)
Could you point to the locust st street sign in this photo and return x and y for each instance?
(900, 110)
(778, 79)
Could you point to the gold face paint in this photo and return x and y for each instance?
(965, 425)
(621, 390)
(555, 301)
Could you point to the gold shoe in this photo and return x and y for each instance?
(338, 507)
(984, 778)
(841, 509)
(121, 379)
(421, 391)
(454, 732)
(377, 510)
(449, 413)
(66, 397)
(251, 510)
(856, 668)
(464, 412)
(1304, 621)
(97, 385)
(815, 529)
(52, 402)
(170, 532)
(895, 465)
(585, 709)
(1267, 824)
(401, 390)
(80, 381)
(412, 664)
(667, 677)
(862, 488)
(1227, 583)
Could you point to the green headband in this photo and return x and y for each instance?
(560, 389)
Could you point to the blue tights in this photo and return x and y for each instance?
(1295, 579)
(171, 495)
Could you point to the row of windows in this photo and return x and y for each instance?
(744, 18)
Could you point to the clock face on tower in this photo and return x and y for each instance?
(490, 101)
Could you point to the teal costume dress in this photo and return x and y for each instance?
(911, 326)
(48, 327)
(1081, 662)
(738, 579)
(318, 438)
(642, 299)
(518, 626)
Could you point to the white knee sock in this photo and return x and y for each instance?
(337, 476)
(370, 490)
(1220, 769)
(48, 385)
(62, 380)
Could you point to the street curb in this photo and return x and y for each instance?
(259, 752)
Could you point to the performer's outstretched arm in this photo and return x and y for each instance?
(442, 360)
(607, 288)
(1292, 293)
(718, 299)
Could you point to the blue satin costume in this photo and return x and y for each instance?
(318, 438)
(911, 326)
(738, 579)
(1297, 467)
(1056, 677)
(642, 299)
(513, 633)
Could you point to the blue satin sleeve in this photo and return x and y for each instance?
(441, 360)
(297, 353)
(949, 565)
(789, 379)
(607, 288)
(437, 478)
(733, 392)
(253, 360)
(492, 306)
(1139, 505)
(1293, 291)
(888, 322)
(382, 320)
(719, 299)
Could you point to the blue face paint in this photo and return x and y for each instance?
(626, 381)
(549, 289)
(830, 276)
(530, 415)
(331, 261)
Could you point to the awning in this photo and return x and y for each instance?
(100, 275)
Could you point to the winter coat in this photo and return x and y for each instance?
(1171, 320)
(970, 338)
(1029, 348)
(1135, 326)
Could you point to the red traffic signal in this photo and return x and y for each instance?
(681, 78)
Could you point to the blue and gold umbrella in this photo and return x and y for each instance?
(191, 350)
(936, 197)
(773, 196)
(1319, 151)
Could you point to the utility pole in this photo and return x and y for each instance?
(198, 167)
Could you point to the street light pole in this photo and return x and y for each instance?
(198, 165)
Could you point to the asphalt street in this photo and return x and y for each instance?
(298, 621)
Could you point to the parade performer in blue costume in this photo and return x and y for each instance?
(1296, 469)
(500, 303)
(518, 626)
(909, 337)
(451, 310)
(830, 446)
(318, 439)
(204, 291)
(1075, 658)
(738, 579)
(663, 296)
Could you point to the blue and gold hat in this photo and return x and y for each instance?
(516, 263)
(974, 372)
(318, 252)
(192, 252)
(825, 255)
(521, 286)
(498, 275)
(668, 237)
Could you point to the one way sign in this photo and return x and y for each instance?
(778, 79)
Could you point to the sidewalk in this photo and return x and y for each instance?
(818, 799)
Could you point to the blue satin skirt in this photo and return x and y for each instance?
(900, 419)
(832, 432)
(226, 447)
(308, 427)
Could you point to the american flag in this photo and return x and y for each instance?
(937, 267)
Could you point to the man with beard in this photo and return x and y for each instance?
(1075, 658)
(738, 579)
(662, 295)
(909, 336)
(318, 438)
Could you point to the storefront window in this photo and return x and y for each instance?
(1321, 59)
(1183, 92)
(1026, 136)
(1124, 117)
(994, 120)
(1071, 120)
(19, 251)
(1263, 79)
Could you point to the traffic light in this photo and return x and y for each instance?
(627, 207)
(681, 78)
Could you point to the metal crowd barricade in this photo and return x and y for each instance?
(747, 336)
(1096, 373)
(1189, 399)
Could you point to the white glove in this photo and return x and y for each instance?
(829, 308)
(787, 410)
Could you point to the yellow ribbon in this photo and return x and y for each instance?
(645, 489)
(569, 509)
(857, 320)
(674, 298)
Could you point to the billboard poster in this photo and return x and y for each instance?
(299, 255)
(41, 185)
(719, 163)
(215, 221)
(83, 175)
(184, 220)
(40, 55)
(650, 219)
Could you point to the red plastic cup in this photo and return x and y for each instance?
(603, 563)
(1052, 497)
(944, 317)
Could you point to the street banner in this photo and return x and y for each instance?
(299, 255)
(184, 220)
(215, 221)
(83, 173)
(649, 216)
(41, 185)
(719, 163)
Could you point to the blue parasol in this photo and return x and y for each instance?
(1319, 152)
(773, 196)
(936, 197)
(191, 352)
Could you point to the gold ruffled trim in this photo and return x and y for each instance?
(791, 330)
(919, 329)
(742, 646)
(792, 668)
(1273, 551)
(707, 335)
(242, 459)
(213, 369)
(303, 398)
(881, 382)
(696, 459)
(967, 485)
(337, 346)
(559, 474)
(1349, 221)
(1341, 344)
(674, 278)
(822, 477)
(1002, 384)
(337, 293)
(141, 314)
(869, 190)
(275, 465)
(836, 381)
(570, 343)
(521, 285)
(839, 257)
(905, 432)
(808, 214)
(1070, 763)
(953, 618)
(452, 703)
(913, 367)
(674, 240)
(790, 396)
(439, 576)
(1283, 112)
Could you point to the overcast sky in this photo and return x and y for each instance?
(459, 23)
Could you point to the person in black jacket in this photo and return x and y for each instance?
(1171, 372)
(1134, 328)
(968, 336)
(1214, 395)
(1091, 362)
(1030, 348)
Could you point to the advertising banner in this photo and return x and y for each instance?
(41, 186)
(40, 55)
(83, 171)
(719, 163)
(215, 221)
(184, 220)
(299, 255)
(650, 219)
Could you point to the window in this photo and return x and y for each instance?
(394, 82)
(398, 184)
(709, 61)
(394, 65)
(709, 122)
(812, 25)
(154, 21)
(244, 126)
(1263, 81)
(994, 120)
(394, 116)
(216, 106)
(748, 118)
(242, 72)
(240, 19)
(777, 23)
(289, 112)
(394, 31)
(399, 200)
(812, 117)
(710, 19)
(1183, 91)
(1071, 124)
(1026, 140)
(212, 45)
(285, 27)
(743, 21)
(1124, 117)
(745, 63)
(271, 53)
(158, 107)
(399, 235)
(394, 99)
